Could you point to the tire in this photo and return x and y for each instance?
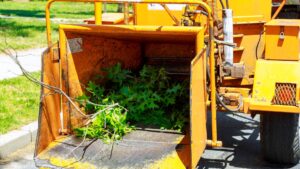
(279, 135)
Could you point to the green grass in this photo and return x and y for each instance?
(37, 9)
(24, 33)
(58, 9)
(19, 102)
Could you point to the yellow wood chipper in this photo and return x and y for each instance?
(236, 54)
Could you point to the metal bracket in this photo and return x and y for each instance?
(55, 54)
(238, 70)
(281, 34)
(75, 45)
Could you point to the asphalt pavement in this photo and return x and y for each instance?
(241, 147)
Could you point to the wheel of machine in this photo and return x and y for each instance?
(280, 137)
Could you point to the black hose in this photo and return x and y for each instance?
(222, 4)
(237, 109)
(256, 49)
(227, 4)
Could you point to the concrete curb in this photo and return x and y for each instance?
(17, 139)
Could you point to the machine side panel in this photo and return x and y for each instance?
(198, 105)
(268, 93)
(152, 14)
(49, 125)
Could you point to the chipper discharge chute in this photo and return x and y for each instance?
(82, 51)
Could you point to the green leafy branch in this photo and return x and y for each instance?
(148, 98)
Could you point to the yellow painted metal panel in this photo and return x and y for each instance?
(250, 35)
(128, 29)
(248, 43)
(268, 73)
(283, 39)
(49, 110)
(151, 16)
(251, 10)
(198, 104)
(262, 107)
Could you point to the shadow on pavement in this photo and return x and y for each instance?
(241, 144)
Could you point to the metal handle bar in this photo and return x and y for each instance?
(196, 2)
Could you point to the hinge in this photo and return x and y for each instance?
(55, 54)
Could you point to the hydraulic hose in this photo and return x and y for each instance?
(222, 4)
(237, 109)
(227, 4)
(219, 99)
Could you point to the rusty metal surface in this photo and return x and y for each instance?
(48, 122)
(174, 66)
(137, 150)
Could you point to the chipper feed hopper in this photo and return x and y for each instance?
(236, 55)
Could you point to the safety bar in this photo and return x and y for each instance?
(214, 142)
(279, 9)
(98, 12)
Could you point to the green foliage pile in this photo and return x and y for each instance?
(109, 125)
(148, 98)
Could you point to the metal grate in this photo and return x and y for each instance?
(285, 94)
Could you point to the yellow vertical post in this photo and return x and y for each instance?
(61, 114)
(213, 83)
(134, 14)
(126, 13)
(213, 98)
(98, 13)
(48, 27)
(214, 142)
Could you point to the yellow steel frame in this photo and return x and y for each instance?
(268, 73)
(214, 142)
(98, 13)
(204, 5)
(129, 31)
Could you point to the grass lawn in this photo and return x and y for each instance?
(24, 33)
(19, 102)
(37, 9)
(74, 10)
(30, 32)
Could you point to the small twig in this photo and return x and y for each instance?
(112, 145)
(84, 138)
(107, 108)
(57, 90)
